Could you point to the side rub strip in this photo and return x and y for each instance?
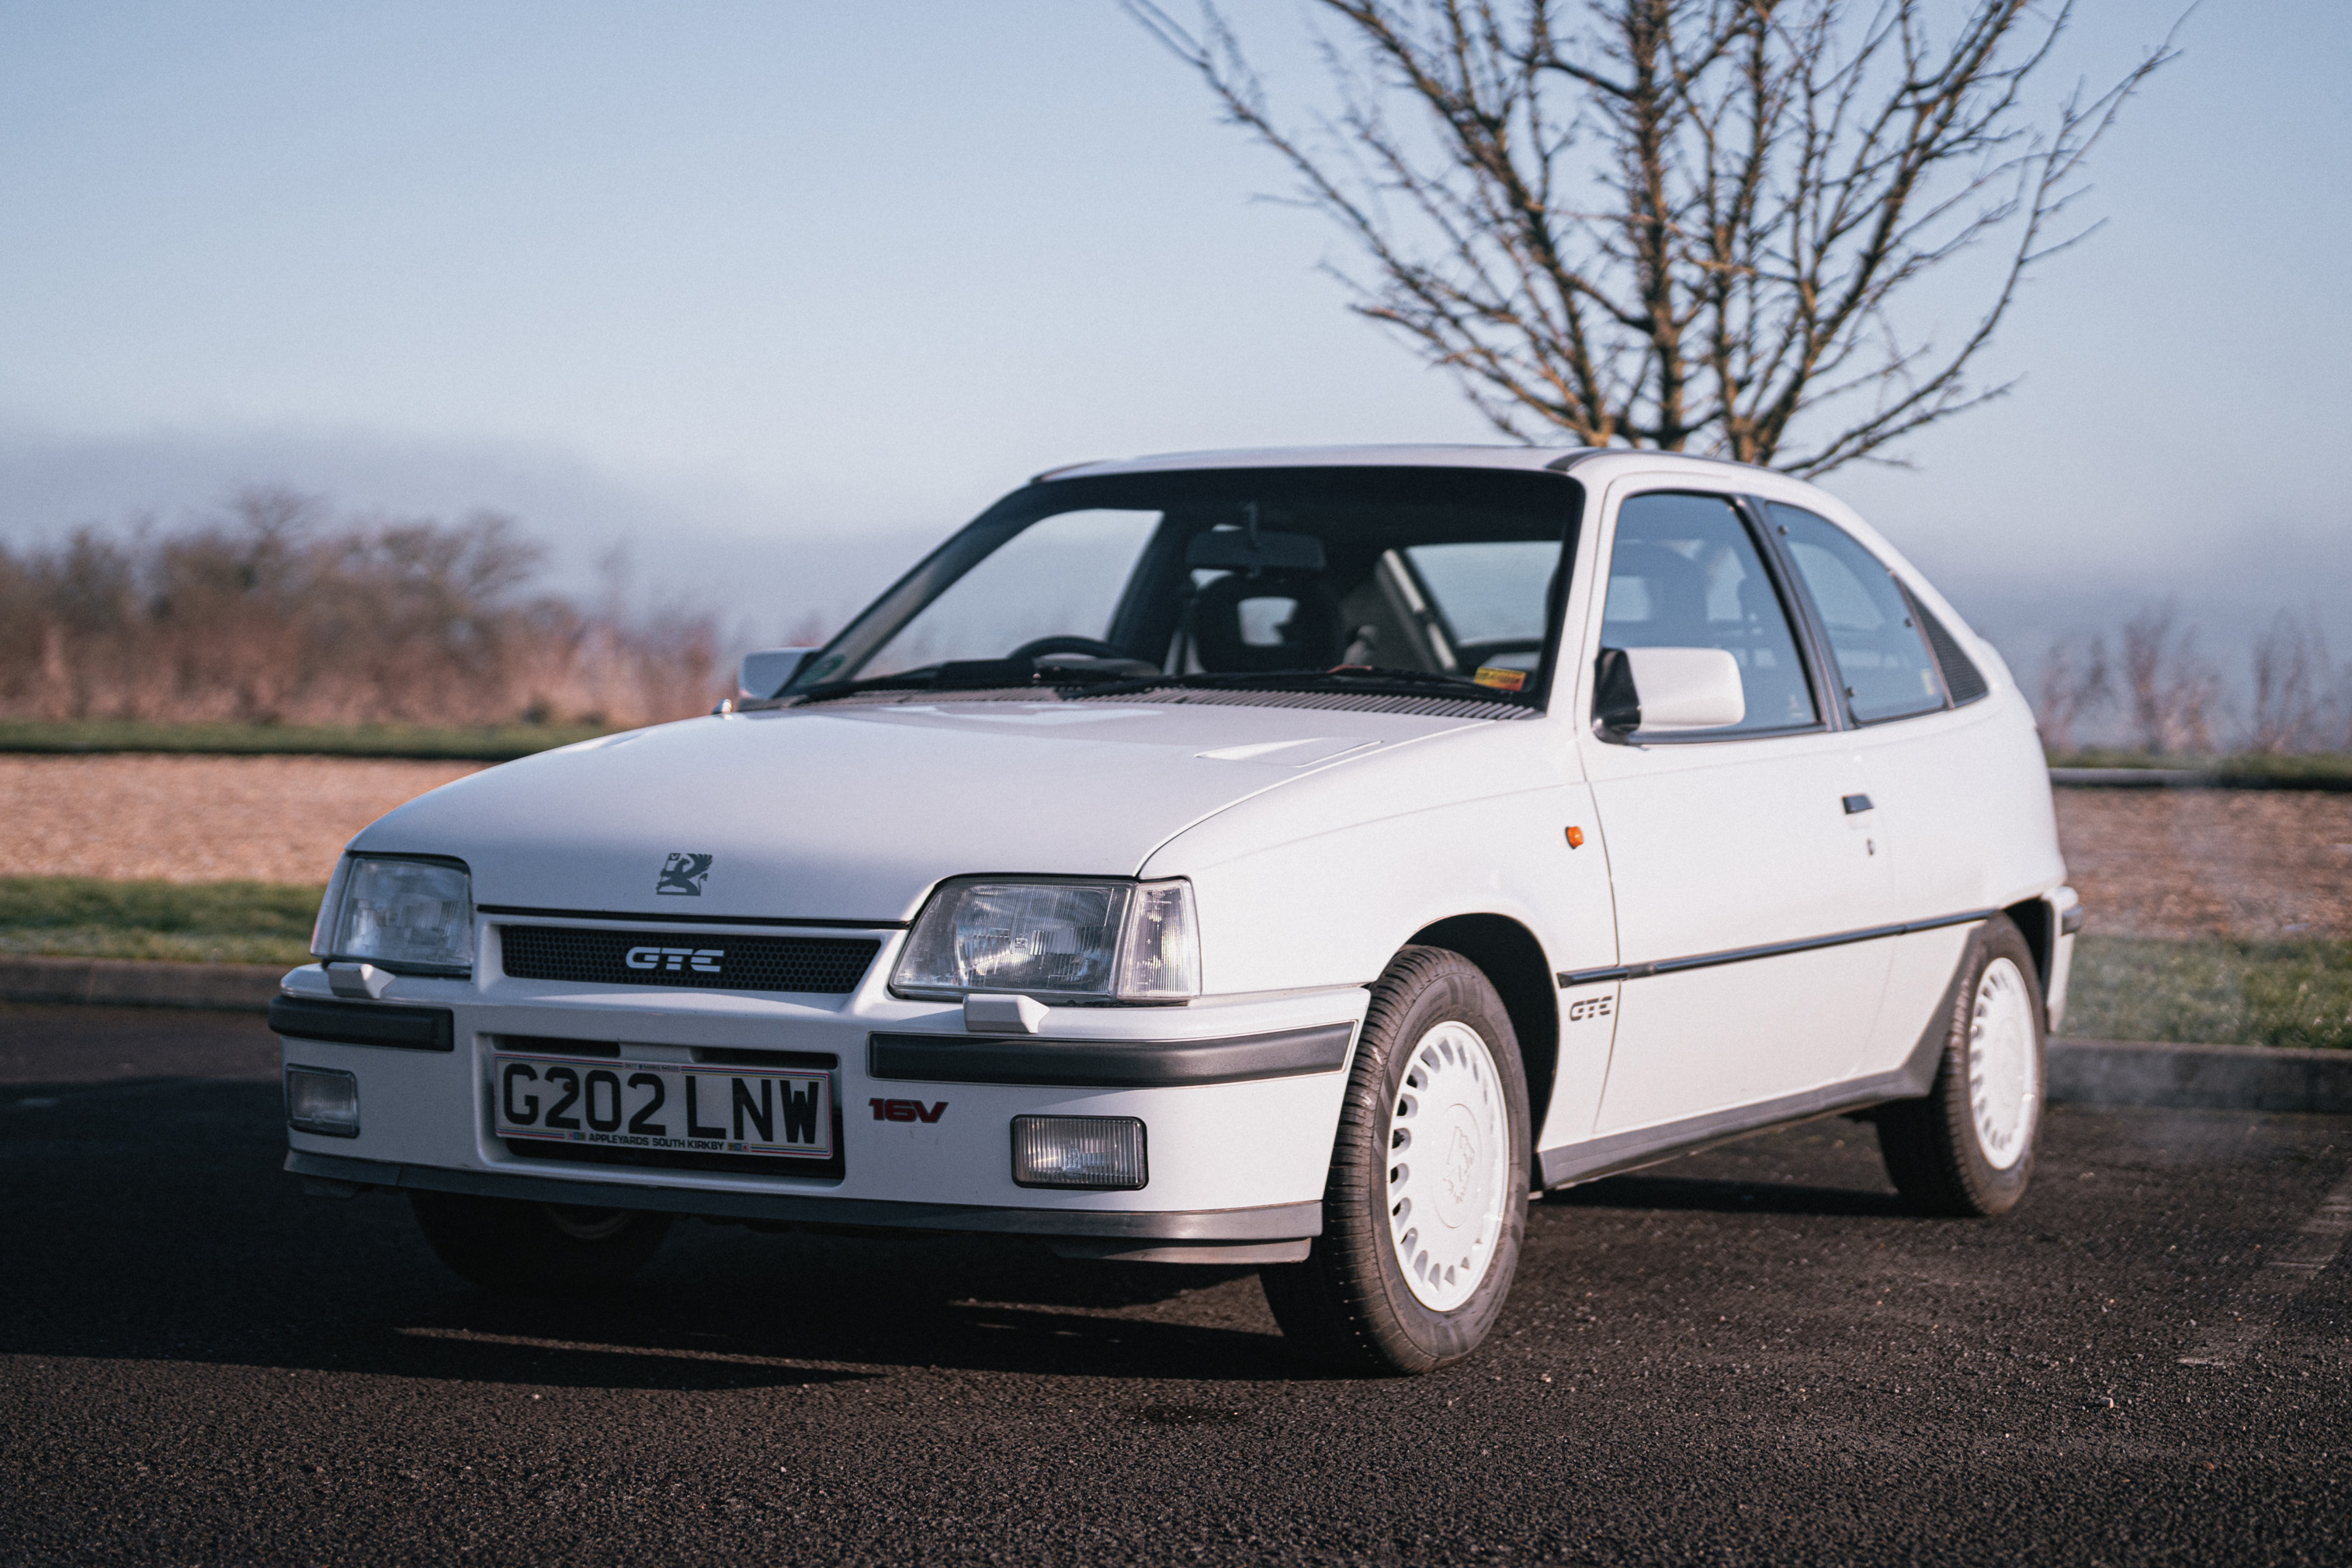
(1568, 978)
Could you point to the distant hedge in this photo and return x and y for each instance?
(2255, 770)
(281, 613)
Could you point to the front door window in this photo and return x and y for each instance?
(1686, 573)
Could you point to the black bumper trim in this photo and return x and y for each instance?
(1106, 1064)
(363, 1023)
(1274, 1222)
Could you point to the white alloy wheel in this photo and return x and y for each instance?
(2003, 1093)
(1449, 1148)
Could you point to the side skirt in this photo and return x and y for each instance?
(1597, 1157)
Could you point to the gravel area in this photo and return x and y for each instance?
(196, 819)
(2160, 863)
(2202, 863)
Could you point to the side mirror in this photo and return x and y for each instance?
(765, 673)
(1686, 688)
(1616, 699)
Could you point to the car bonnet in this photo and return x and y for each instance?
(853, 813)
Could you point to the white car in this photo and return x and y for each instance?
(1283, 858)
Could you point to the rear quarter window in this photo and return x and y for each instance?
(1883, 660)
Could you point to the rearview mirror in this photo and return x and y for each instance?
(1253, 550)
(765, 673)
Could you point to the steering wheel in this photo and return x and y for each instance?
(1038, 647)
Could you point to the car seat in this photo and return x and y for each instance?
(1677, 591)
(1308, 638)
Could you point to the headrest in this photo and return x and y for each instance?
(1675, 590)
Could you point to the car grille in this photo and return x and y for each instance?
(824, 965)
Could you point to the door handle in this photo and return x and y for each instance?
(1856, 803)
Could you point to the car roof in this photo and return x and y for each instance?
(1557, 460)
(1596, 466)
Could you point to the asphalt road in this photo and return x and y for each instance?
(1752, 1355)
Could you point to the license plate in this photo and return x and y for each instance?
(664, 1105)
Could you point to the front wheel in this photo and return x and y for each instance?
(1426, 1200)
(537, 1249)
(1967, 1148)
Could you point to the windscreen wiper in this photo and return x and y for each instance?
(967, 675)
(1416, 677)
(917, 679)
(1346, 677)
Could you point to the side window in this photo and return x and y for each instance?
(1491, 595)
(1684, 572)
(1883, 660)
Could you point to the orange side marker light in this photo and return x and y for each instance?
(1576, 838)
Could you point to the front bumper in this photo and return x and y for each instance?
(1277, 1233)
(1240, 1097)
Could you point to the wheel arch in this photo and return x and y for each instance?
(1513, 962)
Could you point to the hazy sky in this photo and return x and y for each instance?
(775, 293)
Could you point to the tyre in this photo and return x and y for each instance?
(537, 1249)
(1426, 1200)
(1968, 1149)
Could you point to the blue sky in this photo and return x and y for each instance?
(774, 294)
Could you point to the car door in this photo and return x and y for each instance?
(1905, 684)
(1738, 857)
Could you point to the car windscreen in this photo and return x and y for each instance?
(1269, 572)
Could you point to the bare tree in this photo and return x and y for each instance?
(2291, 676)
(2075, 683)
(1682, 223)
(2169, 684)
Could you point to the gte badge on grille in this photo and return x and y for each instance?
(683, 874)
(701, 960)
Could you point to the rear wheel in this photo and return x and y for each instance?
(1968, 1149)
(537, 1249)
(1427, 1199)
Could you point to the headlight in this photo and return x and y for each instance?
(412, 916)
(1080, 941)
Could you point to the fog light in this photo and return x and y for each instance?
(322, 1101)
(1098, 1151)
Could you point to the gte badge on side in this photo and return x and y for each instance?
(683, 874)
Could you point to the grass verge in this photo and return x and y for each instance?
(200, 922)
(2211, 992)
(2124, 988)
(498, 743)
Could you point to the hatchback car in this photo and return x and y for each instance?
(1291, 860)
